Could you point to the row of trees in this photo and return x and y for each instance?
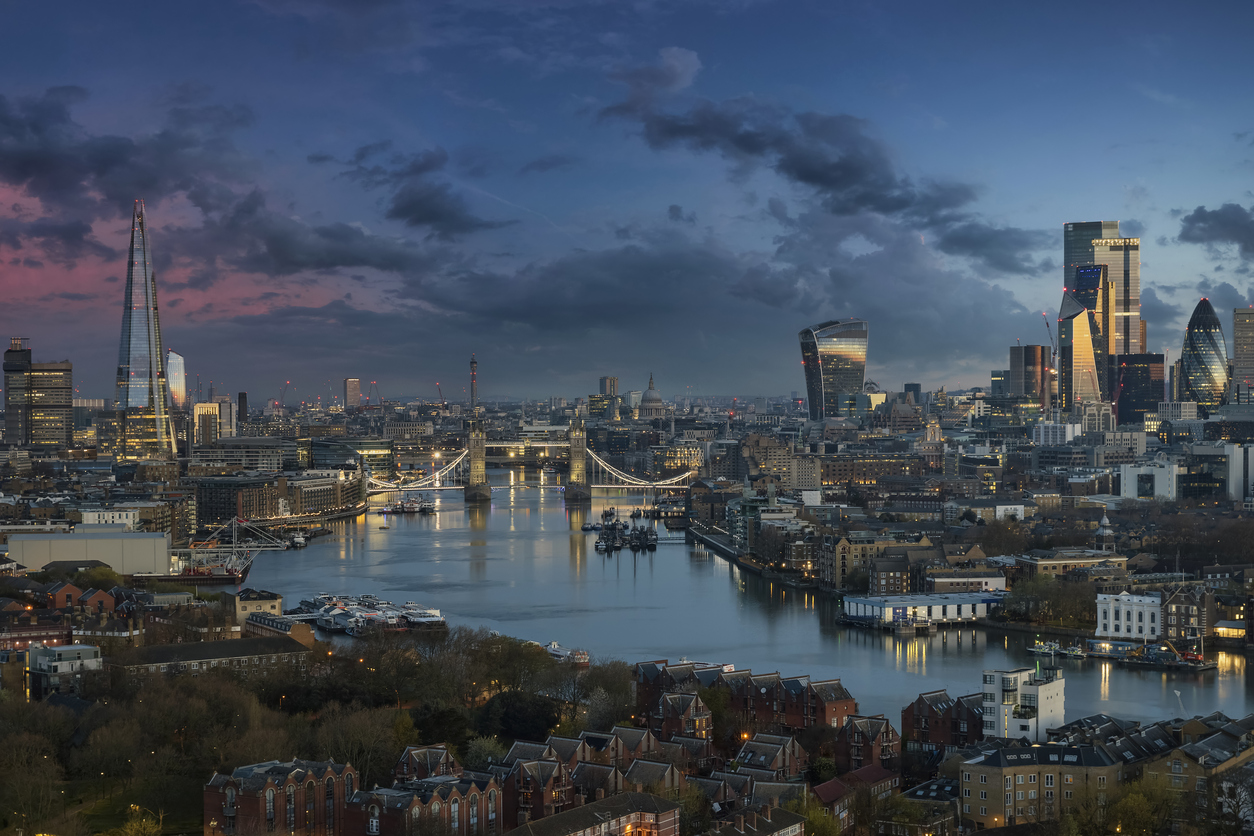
(153, 742)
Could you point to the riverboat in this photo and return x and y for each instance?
(579, 658)
(1045, 648)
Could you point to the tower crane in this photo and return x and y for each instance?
(1053, 362)
(441, 391)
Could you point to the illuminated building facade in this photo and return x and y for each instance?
(176, 378)
(1204, 359)
(1243, 346)
(38, 400)
(1079, 378)
(1030, 372)
(834, 356)
(142, 392)
(352, 394)
(1099, 243)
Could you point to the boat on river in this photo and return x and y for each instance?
(1045, 648)
(579, 658)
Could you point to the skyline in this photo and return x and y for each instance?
(578, 190)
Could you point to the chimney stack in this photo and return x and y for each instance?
(601, 794)
(752, 820)
(740, 824)
(766, 810)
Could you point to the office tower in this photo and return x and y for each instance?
(213, 393)
(1243, 346)
(609, 386)
(834, 356)
(1029, 372)
(176, 377)
(226, 418)
(1144, 339)
(38, 400)
(1095, 291)
(1204, 359)
(1098, 242)
(242, 402)
(207, 422)
(999, 383)
(352, 394)
(474, 385)
(17, 363)
(142, 392)
(1140, 386)
(915, 391)
(1079, 377)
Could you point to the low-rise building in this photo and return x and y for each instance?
(1022, 703)
(1128, 617)
(247, 601)
(936, 722)
(625, 814)
(245, 657)
(62, 669)
(1026, 784)
(296, 796)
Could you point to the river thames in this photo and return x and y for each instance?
(523, 567)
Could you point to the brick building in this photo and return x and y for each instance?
(304, 796)
(626, 814)
(937, 722)
(866, 741)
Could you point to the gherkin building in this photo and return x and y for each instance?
(1204, 358)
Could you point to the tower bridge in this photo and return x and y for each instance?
(466, 469)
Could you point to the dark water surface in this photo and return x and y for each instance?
(523, 567)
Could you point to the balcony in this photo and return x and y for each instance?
(1024, 712)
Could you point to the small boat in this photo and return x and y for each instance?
(384, 527)
(1044, 648)
(586, 527)
(1073, 652)
(600, 546)
(636, 513)
(579, 658)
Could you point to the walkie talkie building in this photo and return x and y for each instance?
(142, 394)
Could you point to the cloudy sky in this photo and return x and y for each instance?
(569, 189)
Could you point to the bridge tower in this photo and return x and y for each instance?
(477, 488)
(577, 487)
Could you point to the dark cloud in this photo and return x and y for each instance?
(1156, 310)
(849, 170)
(548, 163)
(1224, 298)
(46, 153)
(675, 214)
(418, 199)
(63, 242)
(1230, 224)
(253, 239)
(436, 207)
(1132, 228)
(1005, 250)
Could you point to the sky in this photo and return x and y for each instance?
(379, 189)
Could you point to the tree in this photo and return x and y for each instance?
(858, 580)
(696, 812)
(518, 715)
(481, 752)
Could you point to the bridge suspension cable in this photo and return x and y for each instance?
(425, 482)
(681, 479)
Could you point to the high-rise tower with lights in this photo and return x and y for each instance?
(142, 394)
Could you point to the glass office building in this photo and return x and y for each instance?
(1141, 381)
(834, 356)
(176, 376)
(1079, 376)
(142, 392)
(1099, 243)
(1204, 359)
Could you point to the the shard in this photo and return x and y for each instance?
(1204, 359)
(142, 396)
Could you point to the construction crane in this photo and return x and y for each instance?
(1053, 362)
(283, 393)
(441, 391)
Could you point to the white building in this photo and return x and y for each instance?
(938, 608)
(1052, 435)
(128, 517)
(1020, 703)
(1154, 480)
(1128, 617)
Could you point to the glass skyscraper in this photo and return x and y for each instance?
(834, 356)
(143, 397)
(1243, 345)
(1079, 378)
(1204, 359)
(1141, 379)
(1099, 243)
(176, 375)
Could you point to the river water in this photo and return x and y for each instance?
(523, 567)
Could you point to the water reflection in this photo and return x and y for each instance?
(531, 571)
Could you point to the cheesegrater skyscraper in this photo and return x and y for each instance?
(143, 398)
